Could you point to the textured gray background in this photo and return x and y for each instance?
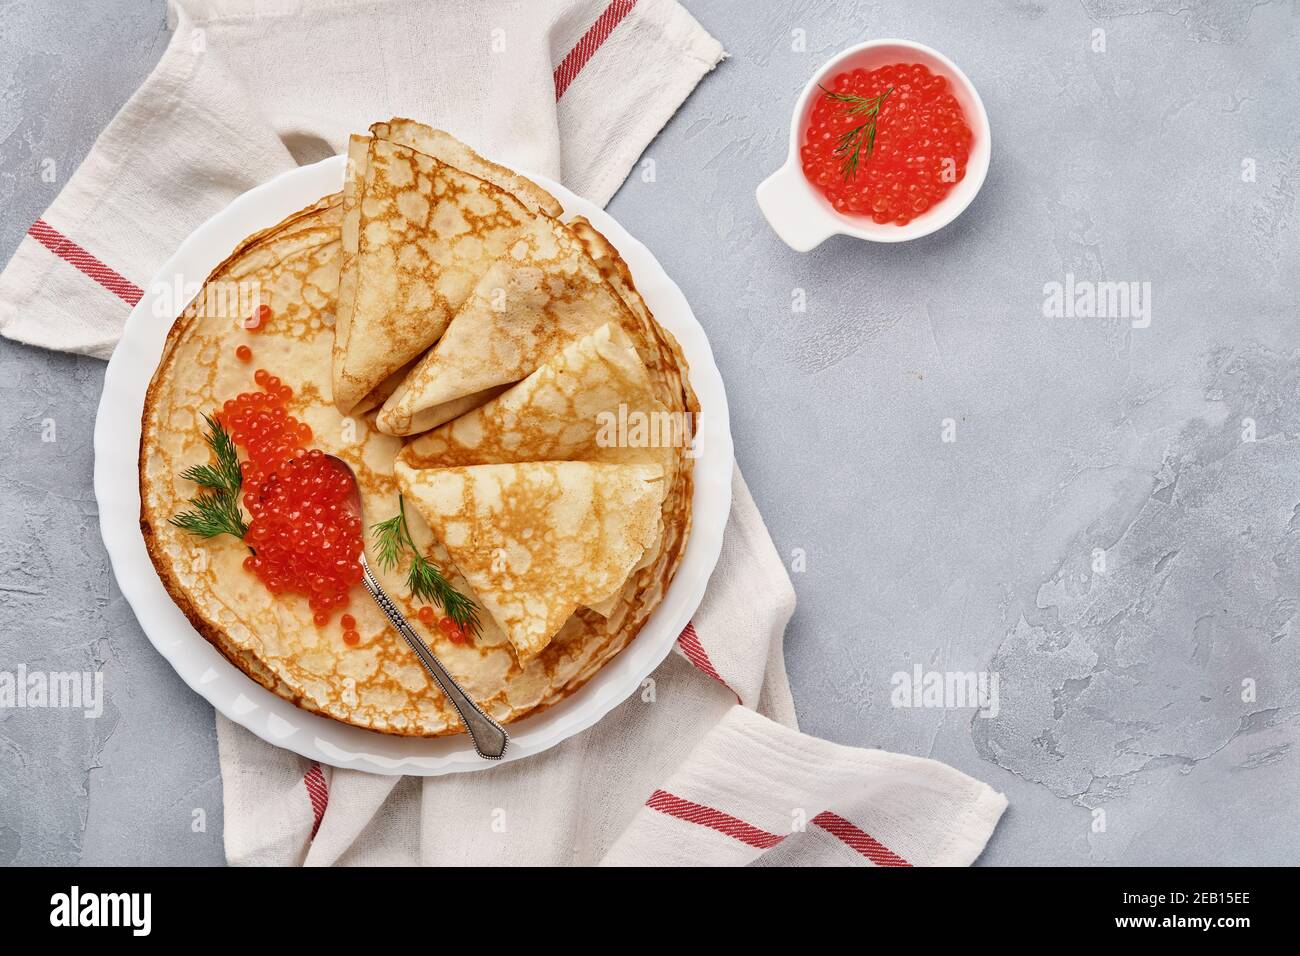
(1119, 690)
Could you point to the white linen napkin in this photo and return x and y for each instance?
(705, 765)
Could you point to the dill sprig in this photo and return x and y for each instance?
(864, 134)
(424, 579)
(216, 508)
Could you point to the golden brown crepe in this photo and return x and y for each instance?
(592, 401)
(576, 407)
(424, 233)
(350, 231)
(545, 292)
(537, 540)
(378, 684)
(446, 148)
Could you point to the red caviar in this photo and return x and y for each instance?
(453, 630)
(261, 315)
(244, 353)
(304, 538)
(921, 145)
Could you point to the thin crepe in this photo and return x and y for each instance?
(446, 148)
(538, 540)
(544, 293)
(417, 234)
(576, 407)
(378, 684)
(592, 401)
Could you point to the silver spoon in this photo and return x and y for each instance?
(489, 737)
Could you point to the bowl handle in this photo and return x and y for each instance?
(788, 204)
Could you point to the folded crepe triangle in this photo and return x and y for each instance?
(544, 293)
(423, 218)
(538, 540)
(446, 148)
(574, 408)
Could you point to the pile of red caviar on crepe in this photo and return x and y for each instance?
(438, 326)
(887, 143)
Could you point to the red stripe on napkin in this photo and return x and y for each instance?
(586, 48)
(714, 819)
(860, 840)
(318, 792)
(690, 644)
(69, 251)
(675, 806)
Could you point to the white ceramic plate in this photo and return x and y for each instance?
(117, 489)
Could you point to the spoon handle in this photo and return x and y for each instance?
(489, 737)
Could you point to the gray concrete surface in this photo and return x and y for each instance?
(1100, 534)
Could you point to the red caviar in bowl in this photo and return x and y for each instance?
(911, 159)
(304, 538)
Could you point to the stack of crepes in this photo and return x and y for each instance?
(505, 352)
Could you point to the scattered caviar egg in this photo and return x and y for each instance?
(425, 614)
(306, 540)
(351, 637)
(452, 630)
(244, 353)
(261, 315)
(349, 622)
(919, 151)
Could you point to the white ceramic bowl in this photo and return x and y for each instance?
(801, 214)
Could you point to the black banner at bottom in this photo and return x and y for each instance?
(215, 906)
